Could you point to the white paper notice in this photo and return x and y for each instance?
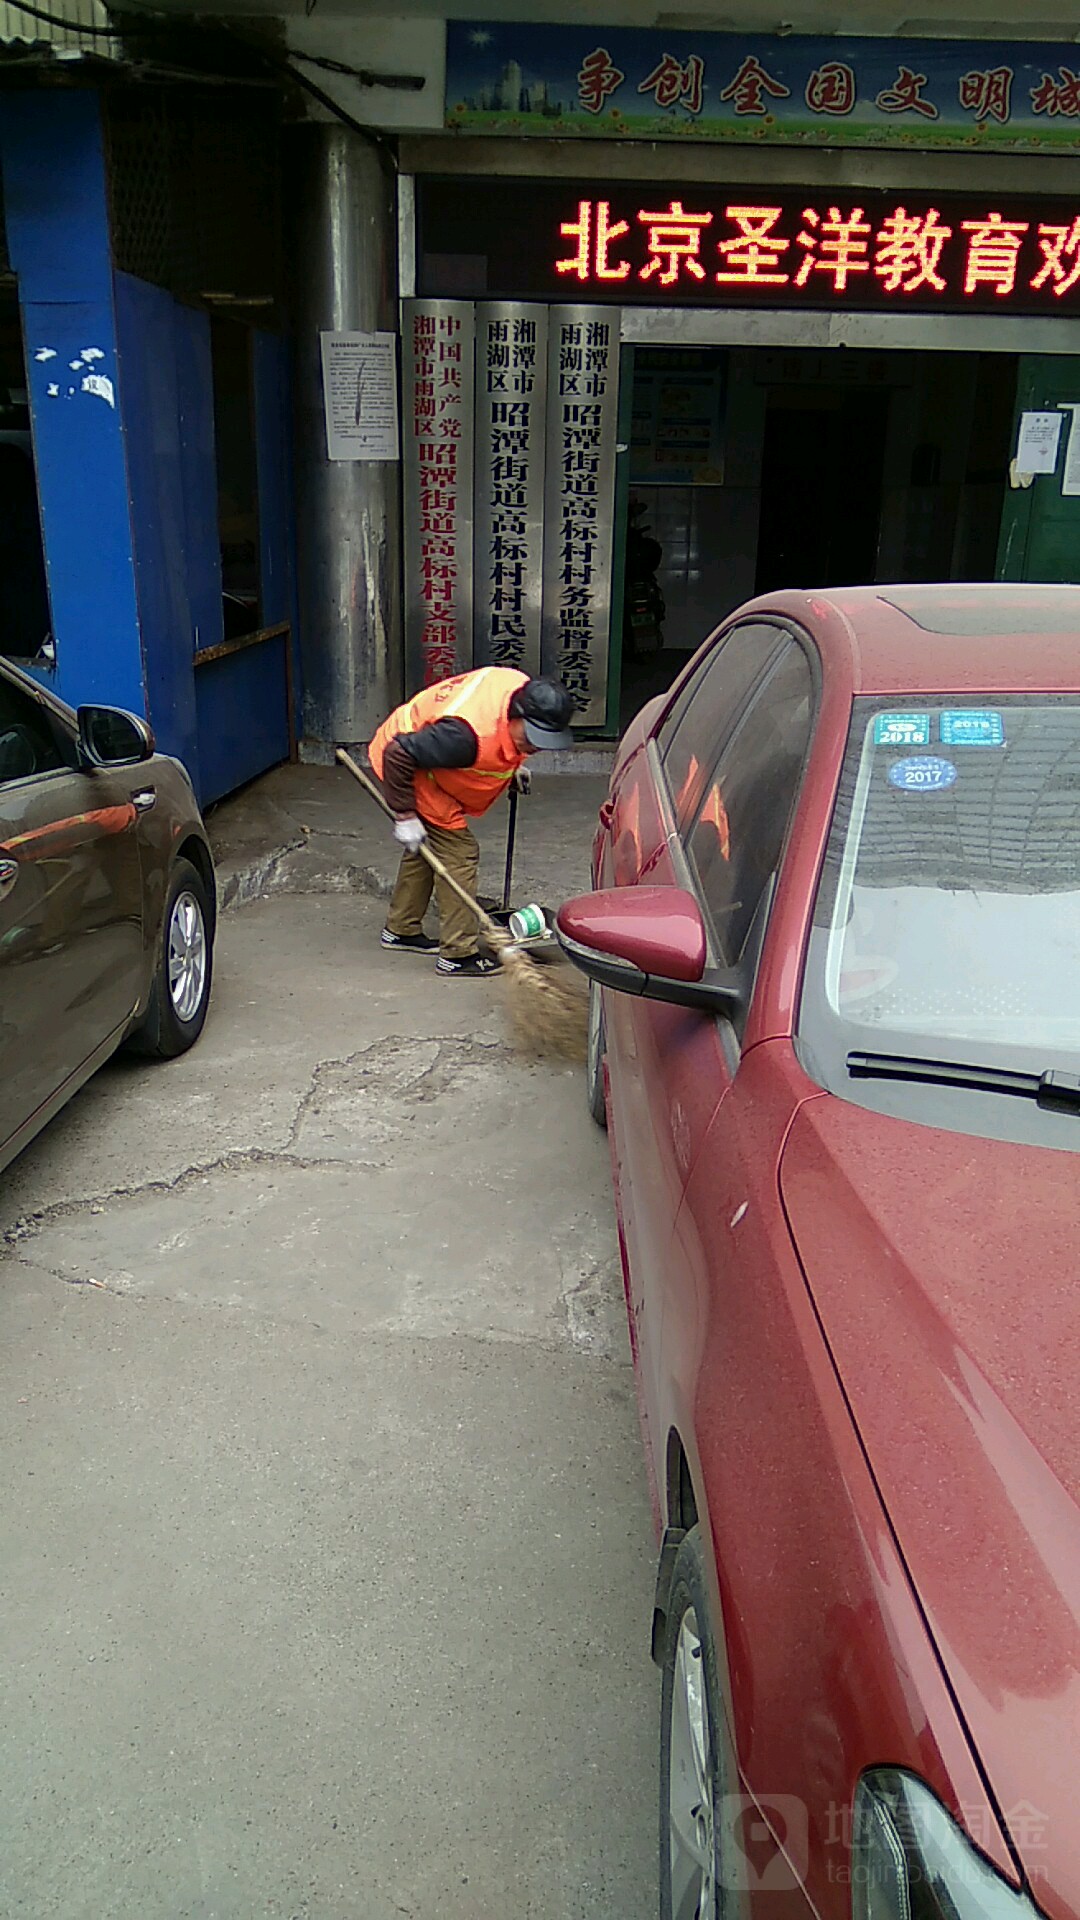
(360, 395)
(1037, 448)
(1070, 482)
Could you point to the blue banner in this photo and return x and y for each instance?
(510, 78)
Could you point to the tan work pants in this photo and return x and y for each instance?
(459, 851)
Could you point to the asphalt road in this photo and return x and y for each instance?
(326, 1563)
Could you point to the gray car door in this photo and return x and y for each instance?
(71, 936)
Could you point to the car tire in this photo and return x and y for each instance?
(692, 1770)
(595, 1052)
(180, 995)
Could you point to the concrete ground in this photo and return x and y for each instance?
(326, 1568)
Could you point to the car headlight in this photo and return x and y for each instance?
(910, 1860)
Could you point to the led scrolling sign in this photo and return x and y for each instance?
(770, 247)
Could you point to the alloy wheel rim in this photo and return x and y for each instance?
(187, 953)
(690, 1784)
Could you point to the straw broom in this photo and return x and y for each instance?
(546, 1004)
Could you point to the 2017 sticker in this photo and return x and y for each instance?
(923, 773)
(972, 727)
(902, 730)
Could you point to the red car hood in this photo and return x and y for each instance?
(945, 1273)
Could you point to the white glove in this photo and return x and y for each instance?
(410, 832)
(523, 780)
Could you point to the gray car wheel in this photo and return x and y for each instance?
(180, 995)
(692, 1771)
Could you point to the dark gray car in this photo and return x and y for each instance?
(107, 901)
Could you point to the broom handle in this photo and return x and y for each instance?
(426, 853)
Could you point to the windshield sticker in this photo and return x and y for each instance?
(902, 730)
(925, 773)
(972, 728)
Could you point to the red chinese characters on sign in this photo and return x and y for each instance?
(595, 231)
(908, 251)
(1059, 246)
(753, 257)
(1060, 96)
(832, 249)
(674, 243)
(834, 245)
(746, 93)
(675, 85)
(598, 78)
(987, 93)
(993, 253)
(585, 356)
(906, 95)
(437, 430)
(507, 369)
(831, 89)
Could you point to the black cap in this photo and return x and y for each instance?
(547, 709)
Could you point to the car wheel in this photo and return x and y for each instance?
(180, 994)
(691, 1769)
(594, 1056)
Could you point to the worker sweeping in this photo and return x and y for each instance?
(443, 758)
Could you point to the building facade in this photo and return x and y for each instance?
(805, 310)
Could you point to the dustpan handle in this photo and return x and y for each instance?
(493, 931)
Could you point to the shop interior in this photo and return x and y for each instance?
(753, 469)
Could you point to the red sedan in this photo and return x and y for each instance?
(835, 955)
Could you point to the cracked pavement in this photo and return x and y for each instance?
(326, 1566)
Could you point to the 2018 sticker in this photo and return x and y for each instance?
(923, 773)
(972, 727)
(902, 730)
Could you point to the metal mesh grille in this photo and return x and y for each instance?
(196, 191)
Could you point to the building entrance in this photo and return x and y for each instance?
(755, 469)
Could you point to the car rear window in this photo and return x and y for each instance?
(989, 612)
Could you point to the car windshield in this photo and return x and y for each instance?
(947, 922)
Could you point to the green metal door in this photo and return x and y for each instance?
(1040, 525)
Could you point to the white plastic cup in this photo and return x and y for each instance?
(527, 923)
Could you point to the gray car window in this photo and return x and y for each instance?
(31, 741)
(707, 709)
(735, 844)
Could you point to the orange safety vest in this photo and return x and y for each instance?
(445, 795)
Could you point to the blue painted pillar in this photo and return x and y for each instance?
(56, 209)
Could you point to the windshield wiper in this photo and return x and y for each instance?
(1057, 1092)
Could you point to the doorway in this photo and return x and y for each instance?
(754, 469)
(25, 618)
(822, 469)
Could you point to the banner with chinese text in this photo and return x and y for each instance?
(715, 246)
(644, 84)
(583, 410)
(437, 351)
(511, 420)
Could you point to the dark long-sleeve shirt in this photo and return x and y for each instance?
(445, 743)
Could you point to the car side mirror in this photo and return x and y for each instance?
(648, 941)
(109, 737)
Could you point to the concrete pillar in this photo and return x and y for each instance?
(344, 261)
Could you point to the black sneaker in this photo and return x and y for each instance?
(409, 942)
(478, 966)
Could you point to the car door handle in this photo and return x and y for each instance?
(144, 798)
(9, 873)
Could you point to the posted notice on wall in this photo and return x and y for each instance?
(1037, 447)
(1070, 479)
(360, 395)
